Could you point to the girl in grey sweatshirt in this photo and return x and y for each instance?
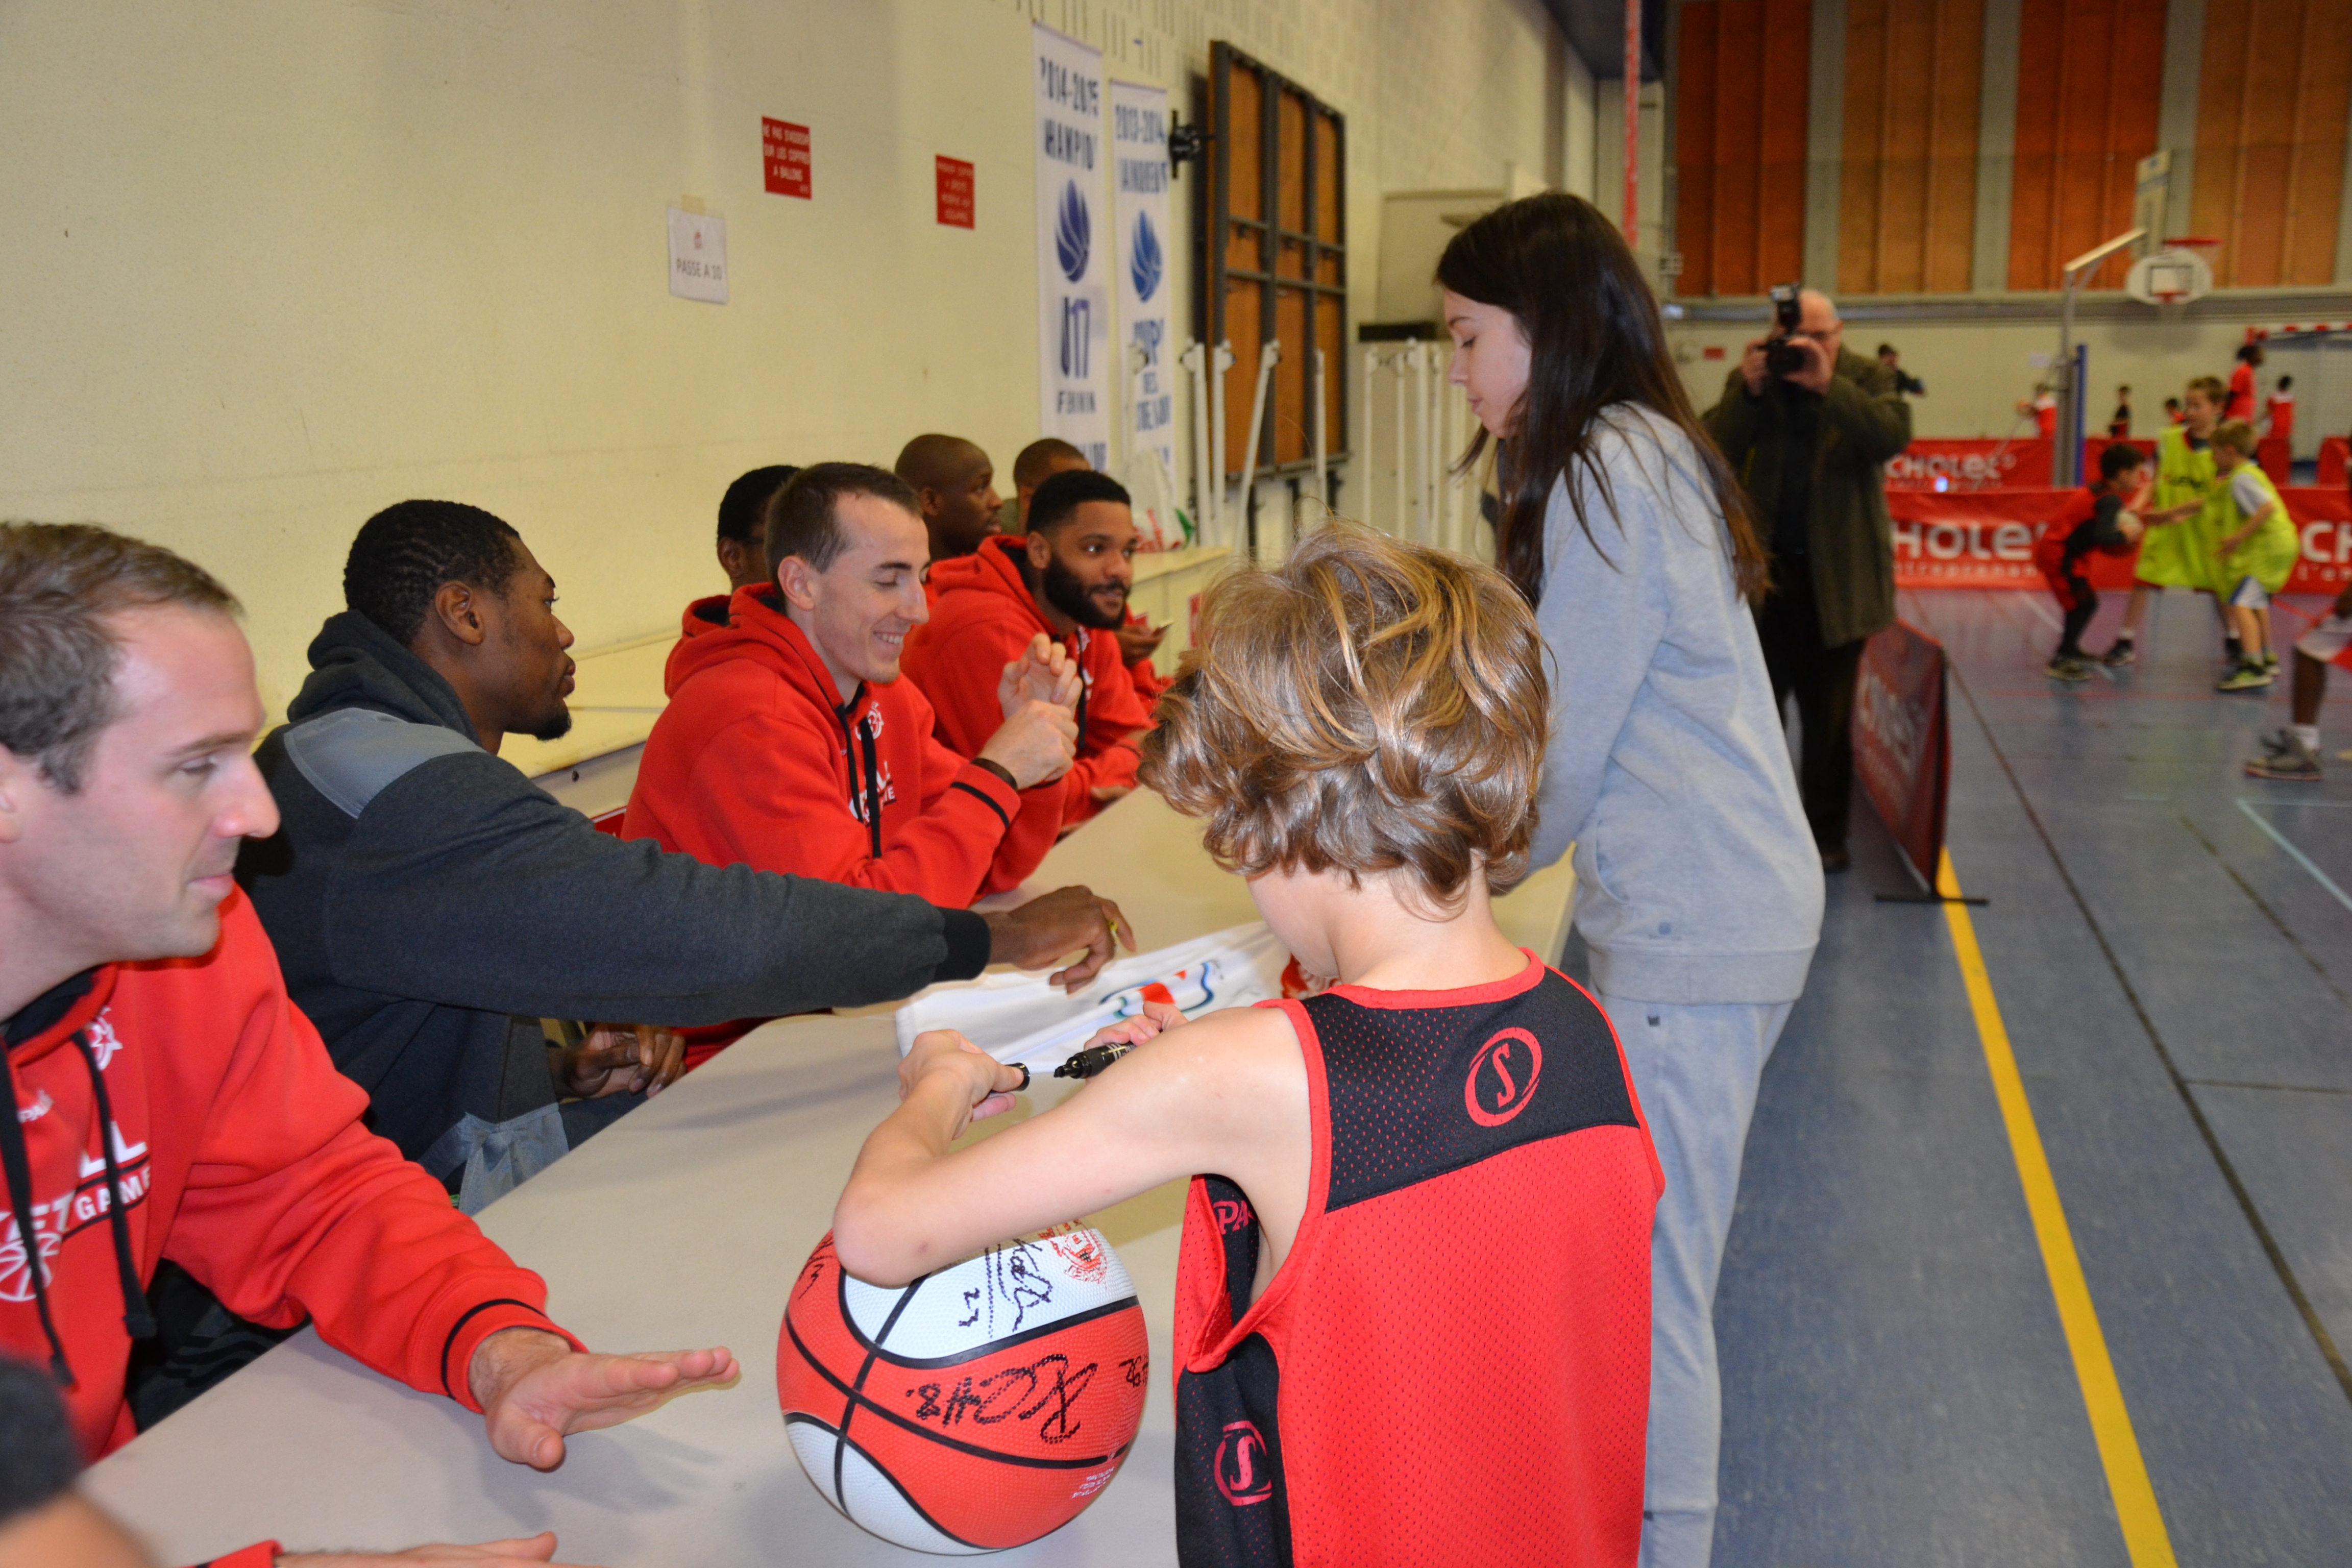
(1698, 887)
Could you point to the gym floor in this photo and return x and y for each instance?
(2169, 945)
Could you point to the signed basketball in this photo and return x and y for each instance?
(978, 1407)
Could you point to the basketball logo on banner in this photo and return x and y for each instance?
(1073, 295)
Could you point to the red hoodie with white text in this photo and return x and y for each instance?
(757, 760)
(238, 1154)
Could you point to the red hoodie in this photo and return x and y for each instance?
(239, 1154)
(982, 618)
(758, 762)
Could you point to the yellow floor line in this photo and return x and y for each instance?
(2143, 1523)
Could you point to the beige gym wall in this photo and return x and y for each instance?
(273, 264)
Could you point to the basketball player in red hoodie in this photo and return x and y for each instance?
(1138, 640)
(164, 1098)
(1068, 578)
(743, 554)
(1435, 1186)
(790, 743)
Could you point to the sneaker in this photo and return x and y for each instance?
(2233, 652)
(2245, 677)
(2284, 757)
(2270, 660)
(2066, 668)
(2121, 654)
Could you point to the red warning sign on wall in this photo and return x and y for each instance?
(956, 205)
(784, 154)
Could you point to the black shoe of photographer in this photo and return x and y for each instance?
(1835, 859)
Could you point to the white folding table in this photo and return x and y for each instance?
(682, 1225)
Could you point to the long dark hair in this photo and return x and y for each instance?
(1560, 266)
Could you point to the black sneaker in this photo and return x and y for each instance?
(2065, 669)
(2121, 654)
(2245, 677)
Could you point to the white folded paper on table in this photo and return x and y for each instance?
(1019, 1018)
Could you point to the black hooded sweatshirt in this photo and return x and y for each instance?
(429, 906)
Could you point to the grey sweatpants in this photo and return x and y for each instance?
(1695, 1069)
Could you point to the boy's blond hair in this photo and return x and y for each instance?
(1369, 706)
(2211, 387)
(2238, 436)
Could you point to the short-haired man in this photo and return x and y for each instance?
(742, 527)
(1810, 445)
(955, 485)
(1040, 460)
(164, 1098)
(790, 744)
(742, 555)
(1138, 640)
(1068, 578)
(431, 905)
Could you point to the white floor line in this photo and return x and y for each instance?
(2033, 603)
(2300, 859)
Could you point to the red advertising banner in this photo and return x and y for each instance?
(785, 158)
(1944, 465)
(957, 208)
(1986, 540)
(1903, 742)
(2335, 458)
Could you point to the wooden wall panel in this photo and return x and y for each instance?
(2087, 75)
(1906, 204)
(2272, 98)
(1744, 70)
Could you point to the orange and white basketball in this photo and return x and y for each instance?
(976, 1408)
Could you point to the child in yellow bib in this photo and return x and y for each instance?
(2182, 529)
(2255, 553)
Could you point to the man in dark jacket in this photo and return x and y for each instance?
(430, 905)
(1811, 446)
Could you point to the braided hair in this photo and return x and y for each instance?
(408, 552)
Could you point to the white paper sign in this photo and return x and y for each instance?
(1073, 247)
(1139, 120)
(698, 255)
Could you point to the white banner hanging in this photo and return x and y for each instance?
(1073, 247)
(1139, 140)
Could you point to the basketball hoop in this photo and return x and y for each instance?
(2179, 271)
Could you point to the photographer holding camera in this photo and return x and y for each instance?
(1809, 430)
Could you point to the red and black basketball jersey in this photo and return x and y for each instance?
(1453, 1364)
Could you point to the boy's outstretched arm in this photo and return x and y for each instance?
(1225, 1094)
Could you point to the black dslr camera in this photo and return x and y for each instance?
(1781, 357)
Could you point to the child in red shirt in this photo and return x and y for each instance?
(1432, 1187)
(2058, 555)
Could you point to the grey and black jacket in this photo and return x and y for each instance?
(430, 905)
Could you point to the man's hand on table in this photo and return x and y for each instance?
(534, 1388)
(540, 1548)
(619, 1059)
(1043, 930)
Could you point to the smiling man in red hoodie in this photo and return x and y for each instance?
(165, 1099)
(790, 743)
(1067, 579)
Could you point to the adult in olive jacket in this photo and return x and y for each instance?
(1811, 447)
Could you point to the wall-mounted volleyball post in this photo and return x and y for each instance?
(1221, 360)
(1195, 361)
(1322, 446)
(1269, 354)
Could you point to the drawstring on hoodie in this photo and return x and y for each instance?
(864, 734)
(19, 1168)
(136, 1319)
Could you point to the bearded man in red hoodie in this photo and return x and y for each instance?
(164, 1099)
(790, 743)
(1066, 579)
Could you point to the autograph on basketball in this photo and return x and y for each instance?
(1048, 1385)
